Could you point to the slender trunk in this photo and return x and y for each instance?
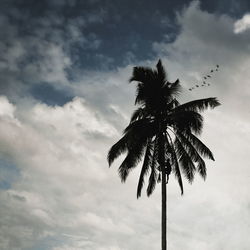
(163, 210)
(163, 194)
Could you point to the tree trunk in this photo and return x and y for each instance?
(163, 194)
(163, 210)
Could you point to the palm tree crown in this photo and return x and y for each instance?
(162, 132)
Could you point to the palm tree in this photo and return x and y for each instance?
(163, 133)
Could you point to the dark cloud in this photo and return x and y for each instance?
(58, 192)
(85, 36)
(49, 95)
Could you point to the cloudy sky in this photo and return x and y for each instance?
(65, 99)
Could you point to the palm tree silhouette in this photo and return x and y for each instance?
(163, 133)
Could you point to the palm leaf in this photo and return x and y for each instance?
(193, 154)
(143, 74)
(117, 149)
(152, 181)
(145, 167)
(141, 128)
(138, 114)
(186, 162)
(199, 105)
(135, 131)
(162, 75)
(153, 176)
(185, 121)
(175, 162)
(199, 145)
(133, 157)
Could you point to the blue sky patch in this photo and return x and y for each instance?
(8, 173)
(46, 93)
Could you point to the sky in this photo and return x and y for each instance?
(65, 100)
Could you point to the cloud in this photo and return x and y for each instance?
(64, 190)
(242, 24)
(42, 50)
(45, 141)
(65, 197)
(205, 40)
(7, 108)
(28, 60)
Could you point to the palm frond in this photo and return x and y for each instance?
(153, 176)
(150, 84)
(162, 75)
(143, 74)
(171, 90)
(176, 168)
(149, 94)
(145, 167)
(199, 145)
(175, 88)
(172, 104)
(133, 157)
(138, 114)
(193, 154)
(202, 169)
(134, 132)
(117, 149)
(186, 162)
(142, 93)
(152, 181)
(141, 128)
(185, 121)
(199, 105)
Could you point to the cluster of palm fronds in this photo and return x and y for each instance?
(205, 79)
(162, 131)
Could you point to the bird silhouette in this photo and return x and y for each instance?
(204, 78)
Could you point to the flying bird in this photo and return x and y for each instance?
(203, 82)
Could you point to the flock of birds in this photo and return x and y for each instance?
(205, 79)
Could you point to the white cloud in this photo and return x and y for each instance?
(204, 41)
(58, 160)
(65, 191)
(7, 108)
(77, 114)
(242, 24)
